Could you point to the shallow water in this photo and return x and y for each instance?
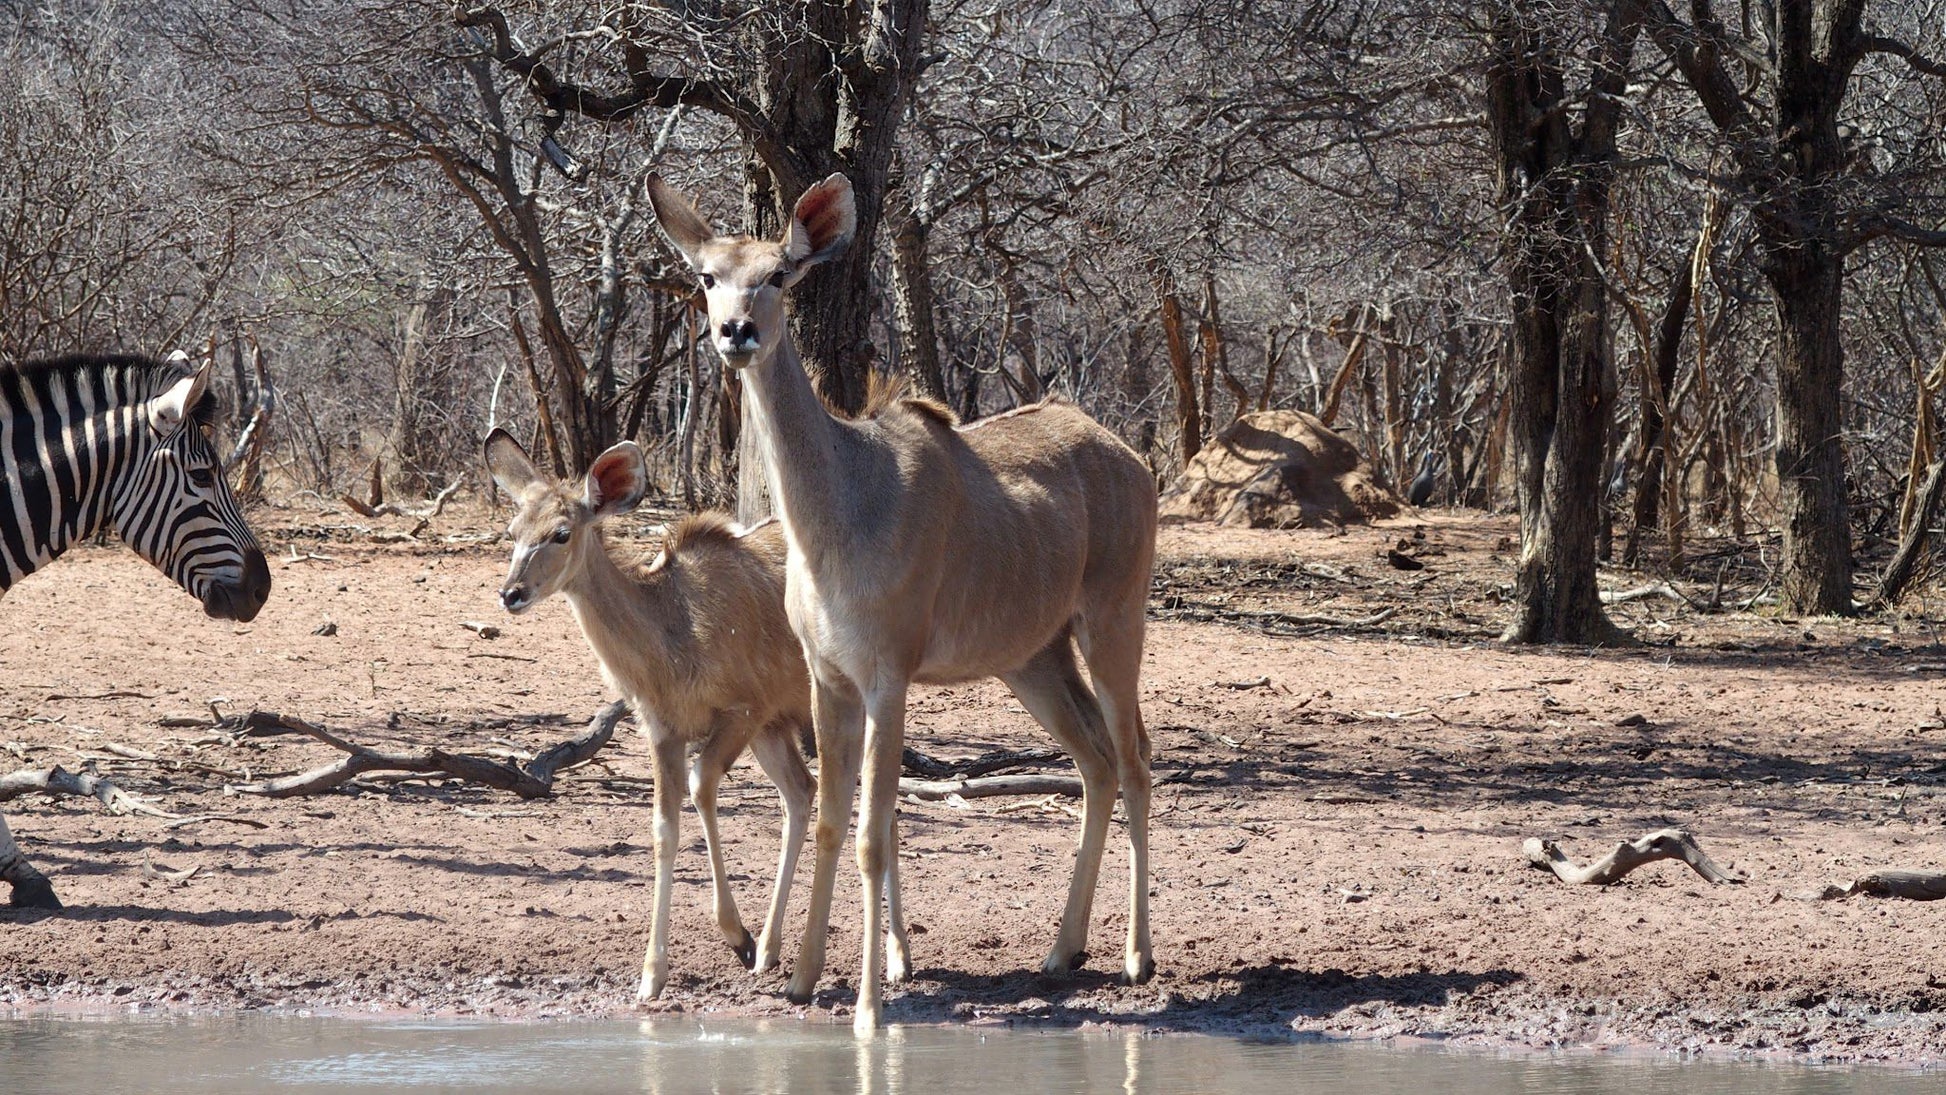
(275, 1053)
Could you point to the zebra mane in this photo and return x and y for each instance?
(148, 374)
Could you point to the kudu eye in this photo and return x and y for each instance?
(777, 279)
(563, 534)
(709, 281)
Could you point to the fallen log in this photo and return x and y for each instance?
(535, 779)
(991, 787)
(1626, 856)
(1911, 885)
(58, 781)
(924, 766)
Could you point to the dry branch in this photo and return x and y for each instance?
(1660, 589)
(1899, 571)
(58, 781)
(532, 780)
(1627, 855)
(392, 509)
(1911, 885)
(928, 767)
(1273, 623)
(991, 787)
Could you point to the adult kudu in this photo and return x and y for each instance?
(921, 550)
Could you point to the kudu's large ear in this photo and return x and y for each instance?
(508, 463)
(167, 410)
(822, 223)
(617, 480)
(679, 220)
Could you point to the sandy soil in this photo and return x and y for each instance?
(1338, 829)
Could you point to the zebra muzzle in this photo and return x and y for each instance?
(241, 600)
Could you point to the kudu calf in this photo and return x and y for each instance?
(697, 641)
(925, 551)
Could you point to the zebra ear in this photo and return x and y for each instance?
(507, 462)
(167, 410)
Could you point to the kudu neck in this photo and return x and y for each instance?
(612, 604)
(798, 438)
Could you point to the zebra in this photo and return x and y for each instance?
(121, 441)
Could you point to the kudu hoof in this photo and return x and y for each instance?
(35, 893)
(746, 950)
(1073, 965)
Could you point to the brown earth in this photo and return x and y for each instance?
(1339, 809)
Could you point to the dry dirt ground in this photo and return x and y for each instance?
(1339, 809)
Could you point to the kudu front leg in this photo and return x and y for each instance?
(838, 716)
(878, 845)
(668, 830)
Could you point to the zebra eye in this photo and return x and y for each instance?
(563, 534)
(203, 477)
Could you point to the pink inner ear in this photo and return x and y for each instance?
(817, 209)
(613, 479)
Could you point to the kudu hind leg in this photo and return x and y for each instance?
(705, 774)
(839, 718)
(898, 948)
(1112, 647)
(1051, 689)
(777, 755)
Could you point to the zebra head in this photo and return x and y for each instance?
(177, 511)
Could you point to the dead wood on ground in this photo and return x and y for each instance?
(1626, 856)
(1287, 624)
(991, 787)
(1911, 885)
(922, 766)
(57, 781)
(535, 779)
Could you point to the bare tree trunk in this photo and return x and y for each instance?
(1328, 413)
(1554, 187)
(1657, 397)
(1022, 332)
(1181, 369)
(1808, 282)
(912, 301)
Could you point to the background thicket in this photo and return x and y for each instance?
(1658, 279)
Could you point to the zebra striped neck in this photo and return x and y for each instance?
(72, 434)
